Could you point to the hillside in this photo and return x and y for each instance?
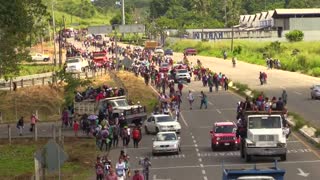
(78, 12)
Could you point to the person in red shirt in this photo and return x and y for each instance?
(136, 136)
(100, 96)
(137, 175)
(75, 128)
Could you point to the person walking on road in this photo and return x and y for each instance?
(190, 98)
(76, 128)
(20, 125)
(146, 164)
(112, 175)
(210, 82)
(284, 97)
(34, 120)
(261, 78)
(99, 169)
(136, 137)
(137, 175)
(204, 100)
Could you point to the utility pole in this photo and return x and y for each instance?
(54, 34)
(225, 13)
(123, 13)
(232, 37)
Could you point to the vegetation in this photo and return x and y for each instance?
(29, 69)
(298, 56)
(294, 36)
(16, 160)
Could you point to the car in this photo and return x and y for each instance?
(224, 135)
(168, 52)
(190, 51)
(161, 122)
(164, 67)
(166, 142)
(182, 74)
(315, 92)
(76, 65)
(40, 57)
(159, 50)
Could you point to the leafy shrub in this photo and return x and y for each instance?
(316, 71)
(294, 36)
(237, 50)
(302, 60)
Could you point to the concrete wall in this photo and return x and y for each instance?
(309, 24)
(283, 22)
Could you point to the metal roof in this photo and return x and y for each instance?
(311, 12)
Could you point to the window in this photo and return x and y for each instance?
(73, 60)
(225, 129)
(265, 122)
(166, 137)
(122, 102)
(164, 119)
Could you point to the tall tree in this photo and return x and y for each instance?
(17, 21)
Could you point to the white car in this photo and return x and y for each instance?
(76, 65)
(166, 142)
(161, 122)
(40, 57)
(159, 50)
(182, 74)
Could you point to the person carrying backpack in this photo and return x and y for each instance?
(136, 137)
(99, 169)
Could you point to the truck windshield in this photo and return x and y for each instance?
(265, 122)
(99, 54)
(72, 60)
(225, 129)
(183, 71)
(122, 102)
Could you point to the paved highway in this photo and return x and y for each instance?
(198, 161)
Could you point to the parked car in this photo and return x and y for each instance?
(166, 142)
(76, 65)
(190, 51)
(168, 52)
(224, 135)
(40, 57)
(315, 92)
(161, 122)
(182, 74)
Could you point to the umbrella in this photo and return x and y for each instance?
(105, 132)
(92, 117)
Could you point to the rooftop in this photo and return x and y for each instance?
(310, 12)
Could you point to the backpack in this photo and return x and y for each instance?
(136, 134)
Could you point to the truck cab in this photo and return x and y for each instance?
(223, 134)
(264, 135)
(100, 58)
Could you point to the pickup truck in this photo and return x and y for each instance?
(40, 57)
(134, 114)
(273, 173)
(100, 58)
(262, 134)
(224, 135)
(76, 65)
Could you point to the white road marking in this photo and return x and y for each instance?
(201, 165)
(196, 145)
(184, 121)
(200, 160)
(296, 92)
(192, 137)
(203, 172)
(205, 178)
(194, 141)
(199, 154)
(197, 149)
(210, 103)
(218, 111)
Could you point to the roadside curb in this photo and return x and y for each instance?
(307, 131)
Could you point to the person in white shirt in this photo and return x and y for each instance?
(120, 169)
(191, 99)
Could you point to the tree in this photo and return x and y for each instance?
(17, 21)
(294, 36)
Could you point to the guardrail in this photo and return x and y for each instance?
(43, 79)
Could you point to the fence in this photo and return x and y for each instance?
(43, 79)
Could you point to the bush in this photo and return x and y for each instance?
(237, 50)
(294, 36)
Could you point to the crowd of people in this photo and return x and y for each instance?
(99, 93)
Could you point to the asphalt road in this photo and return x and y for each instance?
(198, 161)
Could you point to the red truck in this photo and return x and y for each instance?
(224, 135)
(100, 58)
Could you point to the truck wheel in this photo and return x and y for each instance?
(45, 59)
(247, 157)
(157, 130)
(146, 130)
(241, 151)
(283, 157)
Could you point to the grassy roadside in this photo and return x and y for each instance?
(300, 56)
(16, 160)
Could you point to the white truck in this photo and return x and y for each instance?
(40, 57)
(134, 114)
(263, 134)
(76, 65)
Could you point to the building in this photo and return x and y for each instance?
(306, 20)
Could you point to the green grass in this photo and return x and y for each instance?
(36, 69)
(16, 160)
(307, 60)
